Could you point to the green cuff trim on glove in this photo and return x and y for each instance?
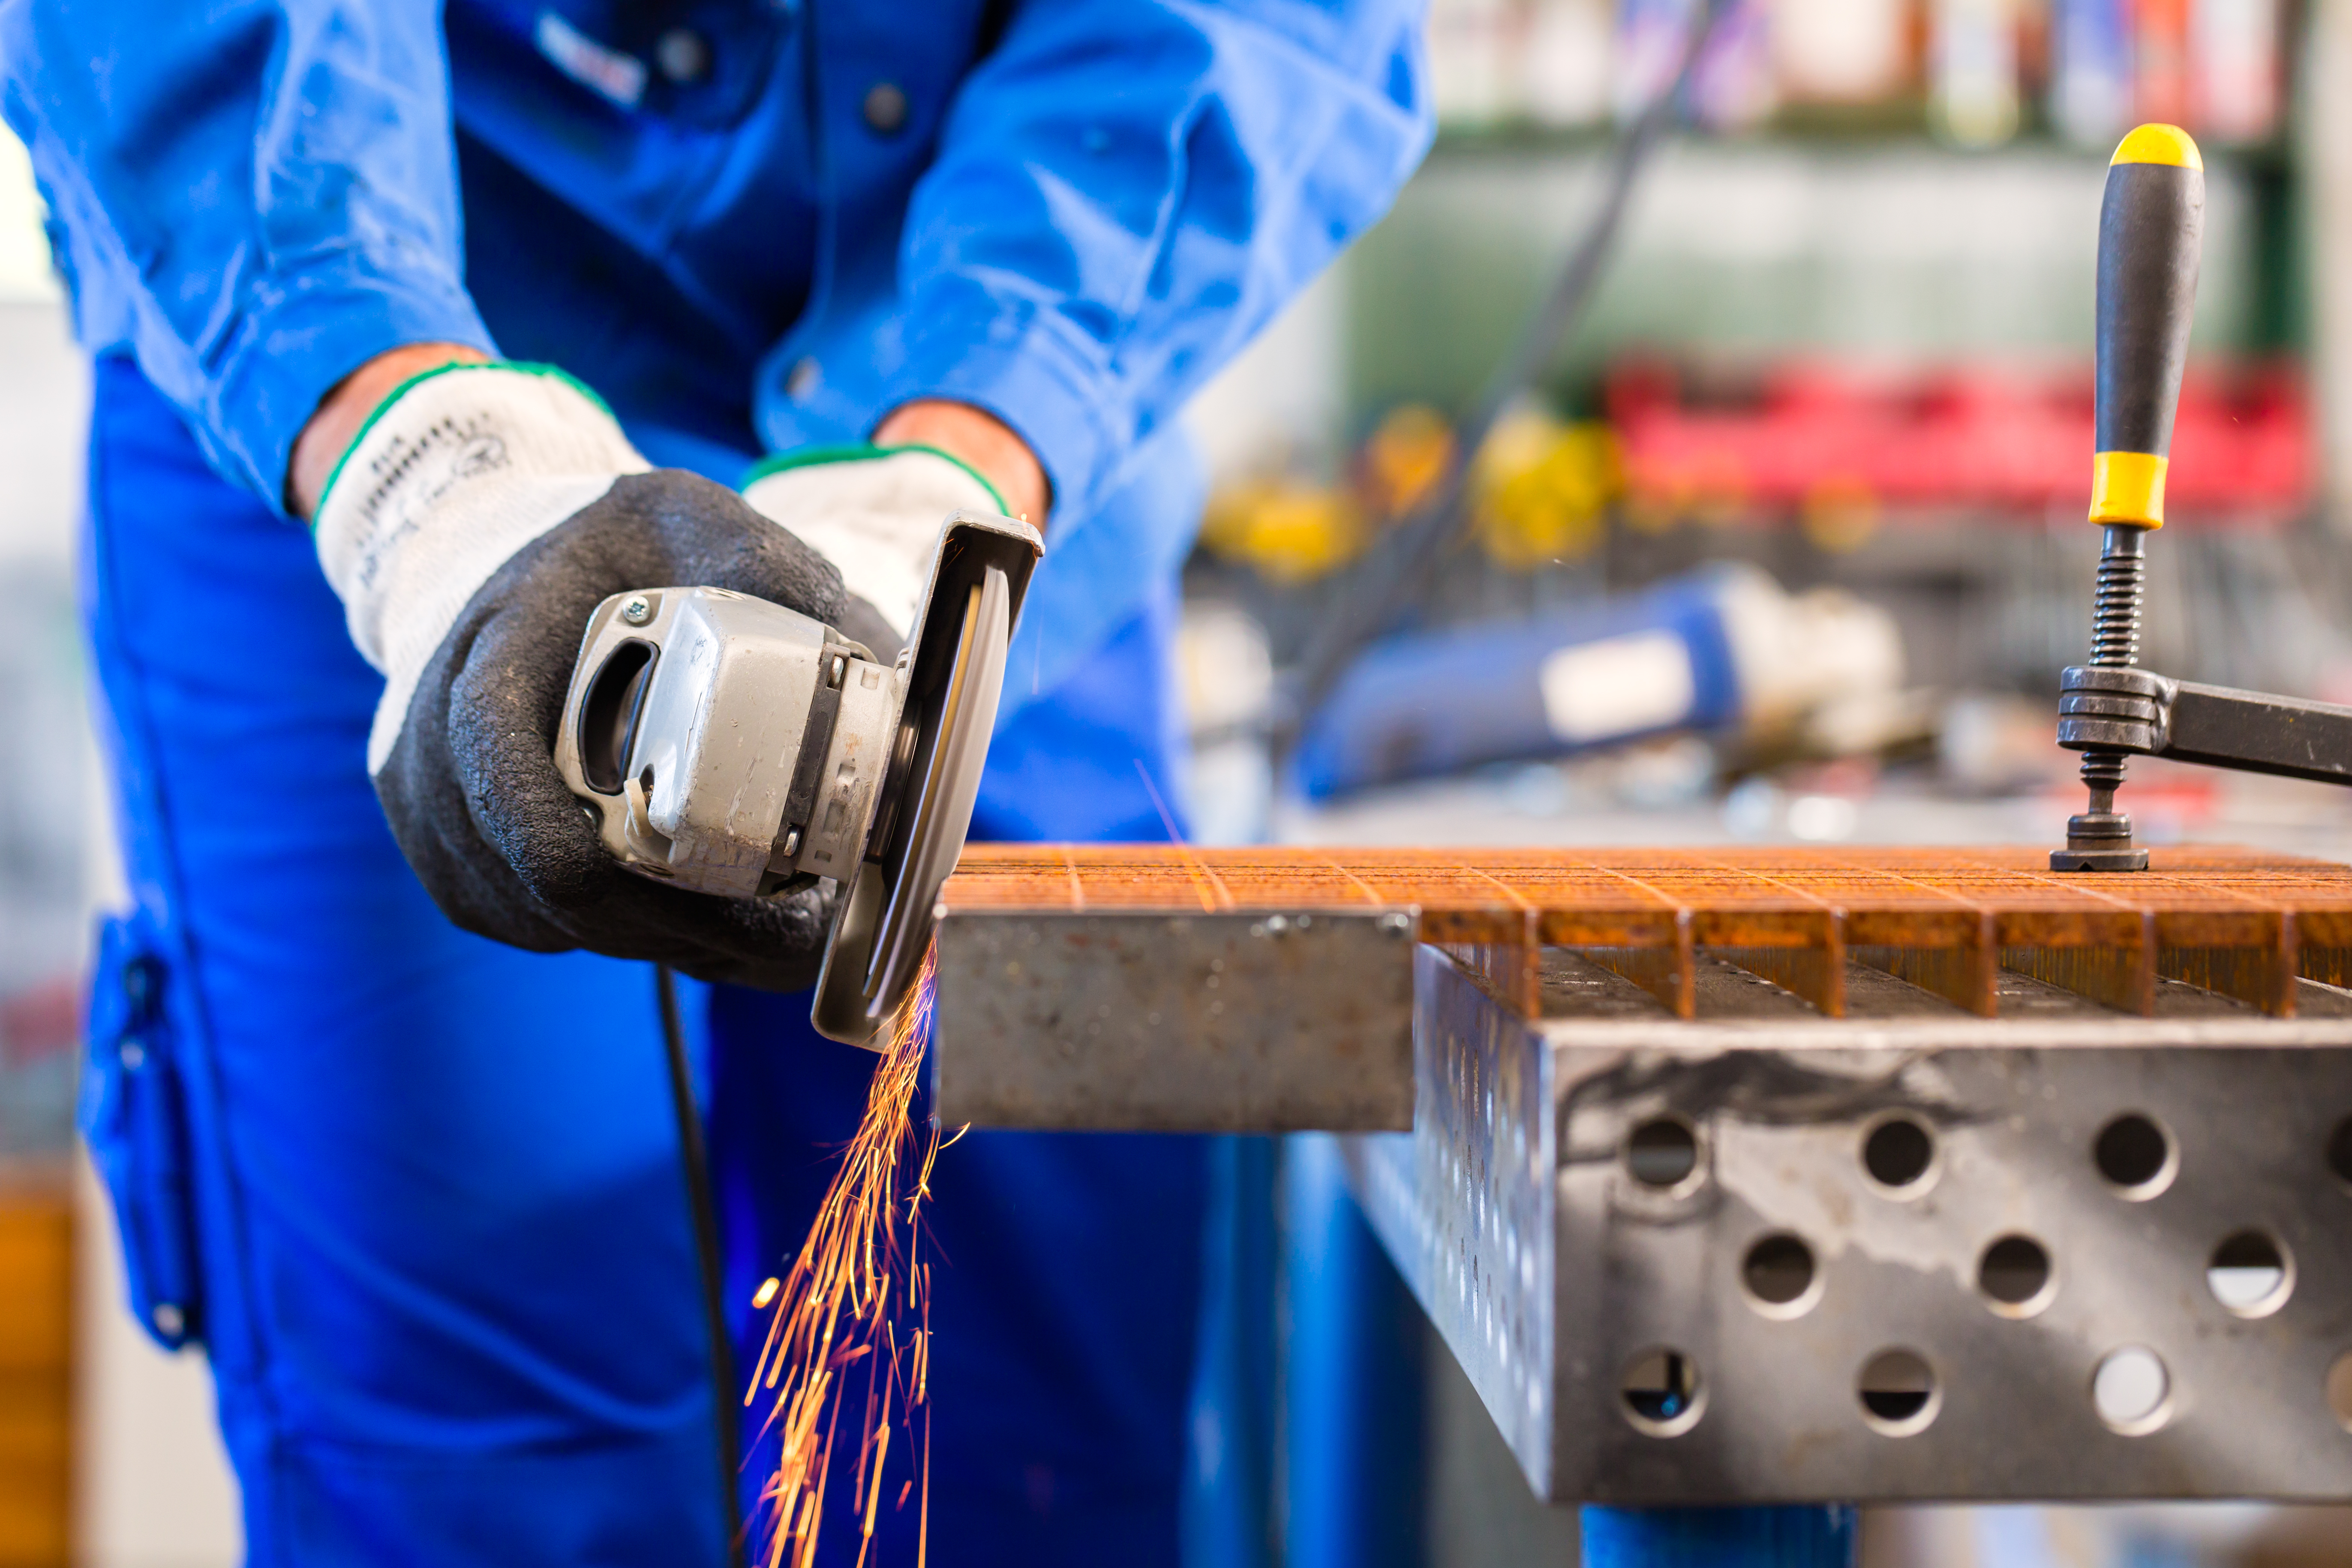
(857, 452)
(553, 372)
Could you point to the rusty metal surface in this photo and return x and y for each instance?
(2244, 924)
(1552, 1267)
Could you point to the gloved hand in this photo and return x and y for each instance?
(483, 512)
(873, 511)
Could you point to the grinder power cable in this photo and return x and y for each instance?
(732, 746)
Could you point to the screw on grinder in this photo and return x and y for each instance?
(732, 746)
(2152, 227)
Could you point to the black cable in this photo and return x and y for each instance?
(1407, 559)
(696, 1158)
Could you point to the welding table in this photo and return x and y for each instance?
(1756, 1176)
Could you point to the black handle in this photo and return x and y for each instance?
(2151, 228)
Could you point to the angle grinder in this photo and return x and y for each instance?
(735, 747)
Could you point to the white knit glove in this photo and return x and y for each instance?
(456, 471)
(874, 512)
(479, 518)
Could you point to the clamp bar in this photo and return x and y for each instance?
(2130, 709)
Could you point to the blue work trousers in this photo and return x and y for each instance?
(418, 1194)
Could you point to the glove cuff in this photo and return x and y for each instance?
(454, 473)
(874, 512)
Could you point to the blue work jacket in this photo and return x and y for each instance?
(754, 222)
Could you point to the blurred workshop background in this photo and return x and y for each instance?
(1786, 543)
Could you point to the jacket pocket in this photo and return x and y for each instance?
(133, 1116)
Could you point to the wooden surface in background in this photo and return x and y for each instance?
(35, 1373)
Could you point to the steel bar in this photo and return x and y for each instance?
(1193, 1021)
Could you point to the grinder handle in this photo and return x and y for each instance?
(2151, 228)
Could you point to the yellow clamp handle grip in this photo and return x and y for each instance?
(2151, 230)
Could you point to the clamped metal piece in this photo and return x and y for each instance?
(2151, 224)
(731, 746)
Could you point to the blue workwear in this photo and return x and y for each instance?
(1800, 1536)
(418, 1194)
(728, 217)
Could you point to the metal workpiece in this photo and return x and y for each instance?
(1767, 1256)
(1187, 1021)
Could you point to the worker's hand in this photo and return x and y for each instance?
(875, 510)
(482, 514)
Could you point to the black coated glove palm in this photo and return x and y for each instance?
(478, 520)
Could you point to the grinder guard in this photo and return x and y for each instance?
(978, 580)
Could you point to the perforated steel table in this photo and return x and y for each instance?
(1758, 1177)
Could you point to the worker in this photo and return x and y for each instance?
(502, 300)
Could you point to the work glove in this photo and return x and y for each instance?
(873, 511)
(481, 515)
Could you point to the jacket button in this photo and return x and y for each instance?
(139, 986)
(885, 107)
(801, 383)
(683, 55)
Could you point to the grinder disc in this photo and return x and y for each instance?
(885, 923)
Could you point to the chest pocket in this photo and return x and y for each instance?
(698, 62)
(133, 1116)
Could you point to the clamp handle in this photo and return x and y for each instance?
(2151, 229)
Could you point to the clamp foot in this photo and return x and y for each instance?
(2099, 859)
(2099, 841)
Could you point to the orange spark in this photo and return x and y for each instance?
(834, 1307)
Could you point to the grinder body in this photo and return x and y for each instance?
(714, 736)
(732, 746)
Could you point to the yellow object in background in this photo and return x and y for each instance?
(1408, 453)
(1292, 533)
(1544, 490)
(1841, 513)
(1540, 495)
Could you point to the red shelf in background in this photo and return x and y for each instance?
(1806, 434)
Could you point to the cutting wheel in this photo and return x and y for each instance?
(877, 949)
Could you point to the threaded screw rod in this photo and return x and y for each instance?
(2114, 639)
(2116, 606)
(2101, 837)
